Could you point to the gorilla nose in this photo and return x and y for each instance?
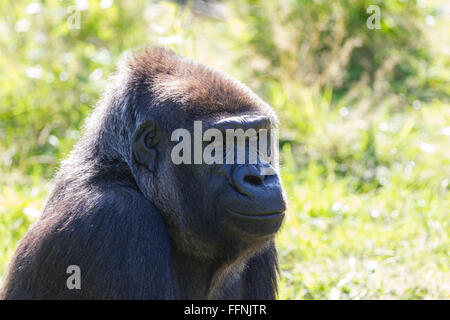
(247, 179)
(256, 181)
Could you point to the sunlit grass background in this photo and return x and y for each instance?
(365, 122)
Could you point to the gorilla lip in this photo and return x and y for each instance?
(258, 215)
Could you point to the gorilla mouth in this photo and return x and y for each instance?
(254, 223)
(258, 215)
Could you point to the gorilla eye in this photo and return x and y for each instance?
(149, 140)
(213, 141)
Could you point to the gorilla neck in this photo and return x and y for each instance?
(199, 278)
(201, 272)
(192, 275)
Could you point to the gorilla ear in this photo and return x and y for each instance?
(144, 144)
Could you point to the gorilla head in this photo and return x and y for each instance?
(141, 224)
(214, 210)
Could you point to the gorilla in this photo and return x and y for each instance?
(138, 226)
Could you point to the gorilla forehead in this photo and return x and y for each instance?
(183, 85)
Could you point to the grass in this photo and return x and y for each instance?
(384, 238)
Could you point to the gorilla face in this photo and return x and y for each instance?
(238, 201)
(251, 201)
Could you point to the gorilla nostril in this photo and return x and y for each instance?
(254, 180)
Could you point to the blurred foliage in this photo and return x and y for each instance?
(365, 122)
(327, 43)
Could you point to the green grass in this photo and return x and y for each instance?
(385, 238)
